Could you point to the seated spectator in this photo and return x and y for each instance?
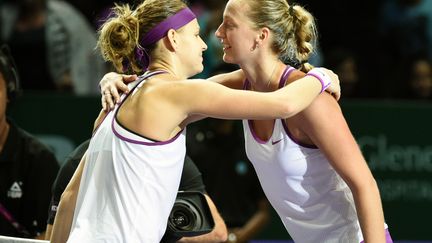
(27, 167)
(419, 79)
(405, 30)
(53, 46)
(344, 63)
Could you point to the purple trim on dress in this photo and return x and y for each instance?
(388, 237)
(285, 75)
(129, 140)
(246, 85)
(259, 140)
(143, 77)
(285, 127)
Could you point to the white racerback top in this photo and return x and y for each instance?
(312, 200)
(128, 186)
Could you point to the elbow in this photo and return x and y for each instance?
(368, 185)
(220, 234)
(67, 201)
(66, 197)
(288, 110)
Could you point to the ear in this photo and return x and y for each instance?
(263, 35)
(171, 40)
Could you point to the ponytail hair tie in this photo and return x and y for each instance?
(291, 10)
(142, 57)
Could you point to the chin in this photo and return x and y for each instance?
(197, 71)
(200, 68)
(228, 59)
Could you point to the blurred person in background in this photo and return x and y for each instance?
(209, 14)
(404, 31)
(418, 79)
(27, 167)
(53, 46)
(345, 64)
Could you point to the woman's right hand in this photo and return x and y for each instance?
(111, 86)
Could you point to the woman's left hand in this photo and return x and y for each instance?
(111, 86)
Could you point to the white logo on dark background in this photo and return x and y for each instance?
(15, 190)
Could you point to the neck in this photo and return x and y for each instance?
(264, 76)
(167, 67)
(162, 67)
(4, 131)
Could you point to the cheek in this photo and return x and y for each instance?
(242, 40)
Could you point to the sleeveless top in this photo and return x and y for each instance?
(312, 200)
(129, 184)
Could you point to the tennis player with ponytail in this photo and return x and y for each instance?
(133, 164)
(309, 165)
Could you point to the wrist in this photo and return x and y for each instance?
(320, 74)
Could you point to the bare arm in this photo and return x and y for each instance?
(233, 80)
(48, 231)
(218, 234)
(214, 100)
(254, 225)
(114, 84)
(66, 208)
(324, 123)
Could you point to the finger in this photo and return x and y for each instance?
(337, 95)
(109, 99)
(114, 93)
(129, 78)
(104, 104)
(122, 87)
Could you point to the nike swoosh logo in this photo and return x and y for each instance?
(277, 141)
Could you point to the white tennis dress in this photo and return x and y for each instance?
(128, 186)
(313, 202)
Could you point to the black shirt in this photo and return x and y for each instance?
(217, 146)
(27, 171)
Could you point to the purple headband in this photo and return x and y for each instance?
(175, 22)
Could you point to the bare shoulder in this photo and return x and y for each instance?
(181, 89)
(323, 105)
(295, 75)
(313, 120)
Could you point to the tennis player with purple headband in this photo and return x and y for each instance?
(131, 171)
(309, 165)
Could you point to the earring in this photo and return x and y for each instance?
(256, 46)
